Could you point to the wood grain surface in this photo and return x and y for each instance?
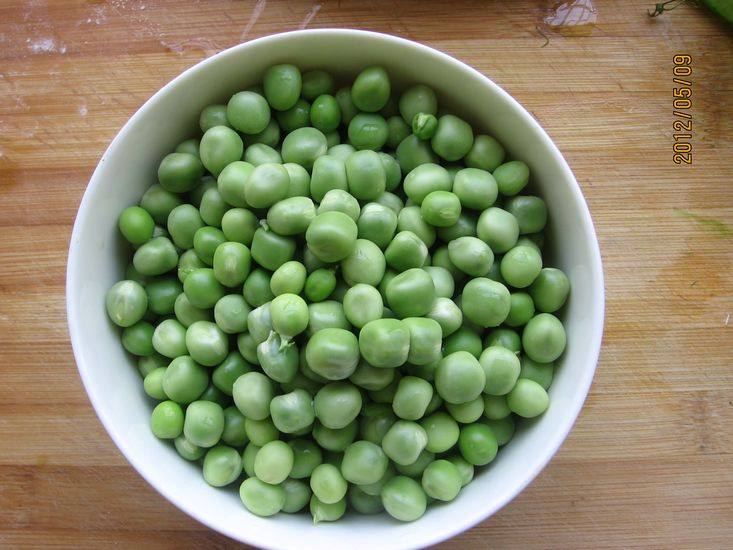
(650, 460)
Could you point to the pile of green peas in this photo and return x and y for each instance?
(339, 295)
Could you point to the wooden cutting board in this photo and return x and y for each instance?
(649, 462)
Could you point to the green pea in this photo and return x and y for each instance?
(329, 172)
(289, 315)
(259, 153)
(371, 89)
(333, 353)
(327, 484)
(424, 179)
(338, 200)
(377, 223)
(362, 304)
(222, 465)
(404, 499)
(544, 338)
(187, 262)
(289, 278)
(404, 442)
(169, 339)
(303, 146)
(136, 225)
(417, 99)
(132, 274)
(341, 151)
(495, 407)
(441, 208)
(190, 146)
(231, 312)
(247, 347)
(183, 222)
(185, 380)
(274, 462)
(459, 378)
(282, 85)
(126, 303)
(425, 340)
(291, 216)
(180, 172)
(155, 257)
(530, 212)
(477, 444)
(300, 180)
(292, 411)
(297, 495)
(248, 112)
(166, 422)
(505, 337)
(366, 264)
(205, 242)
(411, 293)
(441, 480)
(206, 343)
(188, 450)
(320, 284)
(471, 255)
(260, 432)
(426, 371)
(371, 378)
(442, 280)
(252, 393)
(331, 236)
(412, 398)
(306, 456)
(194, 196)
(267, 184)
(326, 512)
(512, 177)
(363, 502)
(232, 262)
(337, 404)
(296, 117)
(549, 290)
(447, 314)
(501, 367)
(413, 152)
(346, 105)
(520, 266)
(406, 251)
(365, 174)
(521, 310)
(486, 153)
(386, 394)
(441, 258)
(442, 432)
(385, 343)
(256, 289)
(227, 372)
(541, 373)
(424, 125)
(259, 323)
(363, 463)
(528, 399)
(270, 136)
(453, 138)
(475, 188)
(316, 82)
(327, 314)
(202, 288)
(391, 201)
(159, 202)
(146, 365)
(368, 131)
(278, 359)
(213, 115)
(463, 339)
(220, 146)
(213, 207)
(153, 384)
(204, 423)
(392, 171)
(325, 113)
(416, 469)
(410, 219)
(485, 302)
(397, 130)
(260, 498)
(503, 429)
(138, 338)
(334, 439)
(271, 250)
(213, 394)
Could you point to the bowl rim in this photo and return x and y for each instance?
(597, 316)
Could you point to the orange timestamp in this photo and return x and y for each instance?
(681, 109)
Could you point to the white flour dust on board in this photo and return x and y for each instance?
(568, 14)
(254, 16)
(82, 110)
(45, 45)
(309, 17)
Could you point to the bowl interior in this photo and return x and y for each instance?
(98, 257)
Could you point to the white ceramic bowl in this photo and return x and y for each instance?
(97, 258)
